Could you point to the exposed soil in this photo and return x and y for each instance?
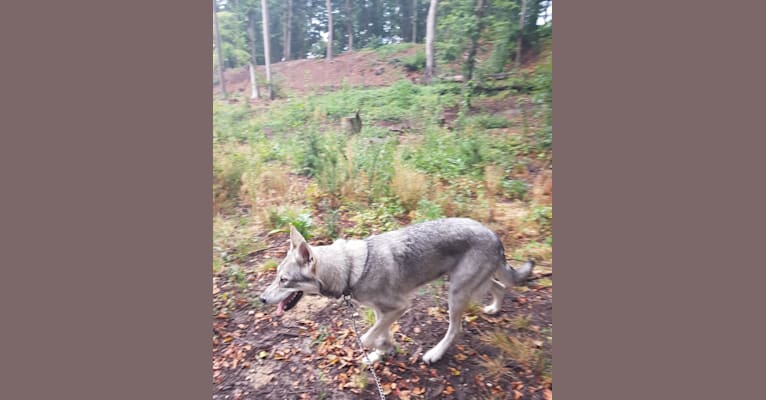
(300, 77)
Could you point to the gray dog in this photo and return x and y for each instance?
(383, 271)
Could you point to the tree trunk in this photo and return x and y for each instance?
(350, 25)
(520, 33)
(414, 21)
(266, 46)
(254, 93)
(219, 50)
(430, 28)
(471, 61)
(287, 31)
(329, 30)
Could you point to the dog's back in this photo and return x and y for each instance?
(420, 253)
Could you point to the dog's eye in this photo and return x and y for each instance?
(283, 280)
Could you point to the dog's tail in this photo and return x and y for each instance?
(516, 277)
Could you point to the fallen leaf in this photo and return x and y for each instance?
(547, 394)
(449, 390)
(386, 388)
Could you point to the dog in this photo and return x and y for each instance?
(383, 271)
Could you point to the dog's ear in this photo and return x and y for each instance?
(304, 254)
(295, 238)
(305, 257)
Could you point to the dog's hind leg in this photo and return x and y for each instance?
(497, 290)
(458, 300)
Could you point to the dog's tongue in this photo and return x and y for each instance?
(280, 308)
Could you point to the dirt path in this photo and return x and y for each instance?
(310, 352)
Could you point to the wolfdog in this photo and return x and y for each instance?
(383, 271)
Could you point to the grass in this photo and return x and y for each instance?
(524, 352)
(268, 265)
(368, 316)
(521, 322)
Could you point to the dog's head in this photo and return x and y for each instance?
(296, 274)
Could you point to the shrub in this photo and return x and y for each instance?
(280, 219)
(415, 62)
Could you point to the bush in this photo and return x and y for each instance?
(415, 62)
(280, 219)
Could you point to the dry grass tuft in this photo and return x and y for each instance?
(542, 188)
(524, 352)
(492, 177)
(496, 367)
(408, 185)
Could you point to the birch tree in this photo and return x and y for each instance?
(266, 46)
(430, 30)
(329, 30)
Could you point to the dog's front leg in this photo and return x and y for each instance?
(379, 336)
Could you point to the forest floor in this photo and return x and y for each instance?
(310, 352)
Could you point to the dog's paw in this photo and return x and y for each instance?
(491, 309)
(373, 357)
(432, 356)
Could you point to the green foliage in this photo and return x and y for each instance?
(229, 166)
(386, 51)
(375, 160)
(515, 189)
(450, 154)
(269, 265)
(238, 276)
(230, 122)
(428, 211)
(412, 63)
(543, 215)
(542, 97)
(332, 217)
(280, 220)
(378, 218)
(486, 121)
(456, 21)
(233, 40)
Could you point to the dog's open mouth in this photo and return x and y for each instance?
(289, 302)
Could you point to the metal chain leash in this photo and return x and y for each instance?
(347, 298)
